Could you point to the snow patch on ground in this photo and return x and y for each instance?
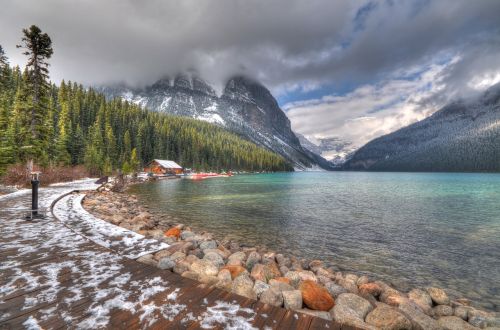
(126, 242)
(224, 313)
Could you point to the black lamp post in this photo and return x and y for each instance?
(35, 182)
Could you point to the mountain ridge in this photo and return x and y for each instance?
(463, 136)
(244, 107)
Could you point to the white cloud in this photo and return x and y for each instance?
(370, 110)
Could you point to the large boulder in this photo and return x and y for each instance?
(370, 288)
(280, 286)
(208, 245)
(294, 278)
(187, 235)
(148, 259)
(349, 284)
(238, 256)
(442, 310)
(181, 266)
(307, 275)
(316, 297)
(235, 270)
(214, 258)
(462, 312)
(243, 285)
(253, 259)
(359, 306)
(419, 319)
(272, 297)
(454, 323)
(265, 273)
(166, 263)
(292, 299)
(438, 296)
(173, 232)
(385, 317)
(204, 267)
(421, 298)
(225, 281)
(335, 289)
(260, 287)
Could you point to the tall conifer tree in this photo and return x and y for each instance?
(38, 47)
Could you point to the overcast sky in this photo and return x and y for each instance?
(353, 69)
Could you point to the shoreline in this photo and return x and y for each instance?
(282, 280)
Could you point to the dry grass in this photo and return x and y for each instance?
(16, 175)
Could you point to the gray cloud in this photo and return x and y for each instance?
(284, 43)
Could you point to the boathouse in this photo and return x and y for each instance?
(163, 167)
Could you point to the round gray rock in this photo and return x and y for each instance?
(208, 245)
(215, 258)
(243, 285)
(292, 299)
(388, 318)
(438, 296)
(454, 323)
(272, 297)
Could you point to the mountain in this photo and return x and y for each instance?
(462, 136)
(245, 107)
(333, 149)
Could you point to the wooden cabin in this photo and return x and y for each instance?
(163, 167)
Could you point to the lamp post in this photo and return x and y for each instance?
(35, 182)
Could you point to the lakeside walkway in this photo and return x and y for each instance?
(75, 271)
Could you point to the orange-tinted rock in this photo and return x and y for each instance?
(235, 270)
(370, 288)
(283, 279)
(316, 297)
(173, 232)
(395, 300)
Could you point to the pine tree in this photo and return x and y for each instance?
(6, 151)
(38, 48)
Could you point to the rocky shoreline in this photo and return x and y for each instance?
(302, 285)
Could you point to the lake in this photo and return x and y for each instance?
(409, 229)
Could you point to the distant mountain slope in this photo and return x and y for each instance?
(333, 149)
(462, 136)
(245, 107)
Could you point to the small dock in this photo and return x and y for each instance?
(64, 273)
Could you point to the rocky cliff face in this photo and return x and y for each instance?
(462, 136)
(245, 107)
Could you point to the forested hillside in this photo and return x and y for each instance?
(69, 125)
(462, 136)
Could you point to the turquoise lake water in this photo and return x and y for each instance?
(409, 229)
